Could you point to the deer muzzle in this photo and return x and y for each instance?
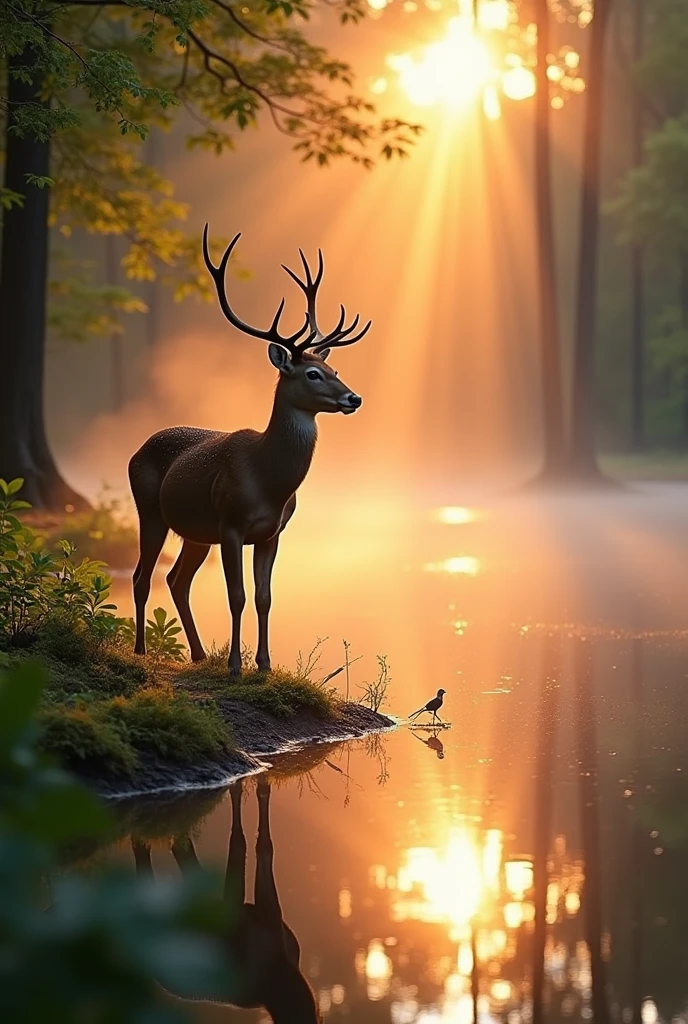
(350, 402)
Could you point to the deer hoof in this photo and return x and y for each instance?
(198, 656)
(263, 666)
(234, 673)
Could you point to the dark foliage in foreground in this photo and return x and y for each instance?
(78, 947)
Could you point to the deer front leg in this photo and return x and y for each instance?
(263, 561)
(232, 563)
(235, 872)
(265, 892)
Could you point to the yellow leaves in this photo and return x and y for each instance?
(137, 264)
(66, 230)
(133, 304)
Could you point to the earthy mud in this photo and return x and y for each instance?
(257, 735)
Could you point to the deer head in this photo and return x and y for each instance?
(307, 382)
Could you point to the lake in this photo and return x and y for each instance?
(410, 866)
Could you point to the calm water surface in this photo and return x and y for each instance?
(426, 874)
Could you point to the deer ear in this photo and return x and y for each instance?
(324, 353)
(280, 358)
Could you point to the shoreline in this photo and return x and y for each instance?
(258, 735)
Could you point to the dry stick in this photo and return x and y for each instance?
(336, 671)
(346, 662)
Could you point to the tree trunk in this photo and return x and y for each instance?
(153, 287)
(553, 428)
(683, 285)
(24, 449)
(116, 354)
(546, 748)
(590, 830)
(583, 460)
(637, 839)
(637, 269)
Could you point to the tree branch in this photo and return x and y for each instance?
(240, 23)
(72, 49)
(273, 106)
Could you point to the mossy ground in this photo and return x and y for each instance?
(279, 692)
(106, 710)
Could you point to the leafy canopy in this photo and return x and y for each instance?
(109, 72)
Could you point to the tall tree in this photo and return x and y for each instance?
(24, 450)
(652, 205)
(637, 260)
(583, 459)
(554, 437)
(652, 200)
(78, 72)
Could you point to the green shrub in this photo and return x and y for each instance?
(80, 664)
(161, 638)
(81, 738)
(36, 585)
(170, 725)
(64, 640)
(104, 532)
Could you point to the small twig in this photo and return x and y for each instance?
(346, 661)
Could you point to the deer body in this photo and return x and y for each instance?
(263, 952)
(239, 488)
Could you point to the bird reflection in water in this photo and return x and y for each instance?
(434, 742)
(263, 951)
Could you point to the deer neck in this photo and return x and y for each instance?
(287, 446)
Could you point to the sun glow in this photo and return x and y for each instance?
(456, 515)
(481, 63)
(452, 70)
(441, 885)
(459, 565)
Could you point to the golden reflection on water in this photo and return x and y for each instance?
(444, 883)
(465, 565)
(480, 898)
(456, 515)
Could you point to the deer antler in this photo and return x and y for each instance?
(271, 334)
(338, 337)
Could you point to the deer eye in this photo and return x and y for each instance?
(313, 375)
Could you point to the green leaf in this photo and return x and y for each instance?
(39, 180)
(64, 812)
(20, 694)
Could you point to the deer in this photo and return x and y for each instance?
(263, 953)
(239, 488)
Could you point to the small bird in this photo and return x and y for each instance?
(433, 706)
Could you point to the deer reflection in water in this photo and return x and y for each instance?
(263, 951)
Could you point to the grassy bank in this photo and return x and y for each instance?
(105, 712)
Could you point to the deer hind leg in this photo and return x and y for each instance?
(142, 858)
(184, 852)
(263, 560)
(179, 579)
(152, 533)
(232, 563)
